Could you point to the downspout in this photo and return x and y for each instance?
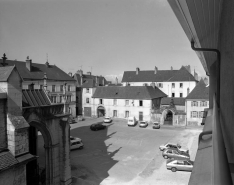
(218, 67)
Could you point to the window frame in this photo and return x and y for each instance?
(53, 89)
(181, 85)
(101, 101)
(87, 101)
(140, 103)
(126, 102)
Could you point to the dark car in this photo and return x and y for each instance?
(97, 126)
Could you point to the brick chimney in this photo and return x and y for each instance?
(116, 81)
(29, 64)
(195, 75)
(206, 81)
(137, 70)
(80, 72)
(155, 70)
(153, 85)
(4, 58)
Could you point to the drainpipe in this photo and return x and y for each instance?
(218, 67)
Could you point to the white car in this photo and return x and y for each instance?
(143, 124)
(172, 146)
(179, 165)
(132, 121)
(107, 119)
(76, 143)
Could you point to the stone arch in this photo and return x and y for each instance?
(35, 122)
(101, 111)
(168, 116)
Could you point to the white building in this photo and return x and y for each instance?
(197, 102)
(125, 101)
(174, 83)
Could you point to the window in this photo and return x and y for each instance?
(126, 102)
(181, 95)
(100, 101)
(202, 114)
(140, 103)
(53, 88)
(194, 114)
(68, 88)
(114, 113)
(203, 104)
(114, 102)
(173, 85)
(172, 94)
(87, 100)
(181, 85)
(126, 114)
(53, 99)
(87, 90)
(61, 88)
(41, 86)
(160, 85)
(194, 104)
(69, 98)
(60, 99)
(31, 86)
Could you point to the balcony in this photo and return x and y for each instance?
(211, 164)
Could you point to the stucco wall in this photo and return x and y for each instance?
(226, 46)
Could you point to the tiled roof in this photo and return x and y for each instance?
(34, 98)
(201, 91)
(5, 73)
(7, 160)
(160, 76)
(38, 70)
(128, 92)
(177, 101)
(89, 80)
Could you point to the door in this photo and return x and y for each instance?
(87, 111)
(140, 116)
(115, 113)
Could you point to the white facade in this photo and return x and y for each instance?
(180, 89)
(195, 111)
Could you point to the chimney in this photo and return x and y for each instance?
(4, 58)
(195, 75)
(206, 81)
(103, 81)
(116, 81)
(70, 74)
(171, 68)
(155, 70)
(153, 85)
(97, 81)
(137, 70)
(28, 63)
(80, 72)
(88, 73)
(47, 64)
(45, 82)
(81, 80)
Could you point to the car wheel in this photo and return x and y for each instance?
(165, 157)
(173, 169)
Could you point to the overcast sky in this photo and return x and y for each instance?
(107, 36)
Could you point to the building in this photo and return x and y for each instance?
(85, 88)
(125, 101)
(49, 77)
(209, 28)
(197, 103)
(174, 83)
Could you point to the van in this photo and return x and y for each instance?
(132, 121)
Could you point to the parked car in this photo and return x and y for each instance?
(71, 120)
(179, 165)
(97, 126)
(107, 119)
(173, 146)
(132, 121)
(175, 154)
(76, 143)
(156, 125)
(143, 124)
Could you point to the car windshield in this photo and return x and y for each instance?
(142, 122)
(130, 120)
(156, 123)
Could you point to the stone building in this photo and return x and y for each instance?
(39, 76)
(126, 101)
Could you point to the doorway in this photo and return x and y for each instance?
(168, 118)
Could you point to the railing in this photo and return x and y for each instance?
(220, 172)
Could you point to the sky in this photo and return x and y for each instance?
(106, 37)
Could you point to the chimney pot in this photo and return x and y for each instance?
(155, 70)
(137, 70)
(28, 63)
(4, 58)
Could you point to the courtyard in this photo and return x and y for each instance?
(122, 155)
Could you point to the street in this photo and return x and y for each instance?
(127, 155)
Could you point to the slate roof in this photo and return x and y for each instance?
(34, 98)
(5, 73)
(38, 70)
(89, 81)
(200, 91)
(7, 160)
(128, 92)
(160, 76)
(177, 101)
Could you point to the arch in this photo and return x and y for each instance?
(101, 111)
(168, 116)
